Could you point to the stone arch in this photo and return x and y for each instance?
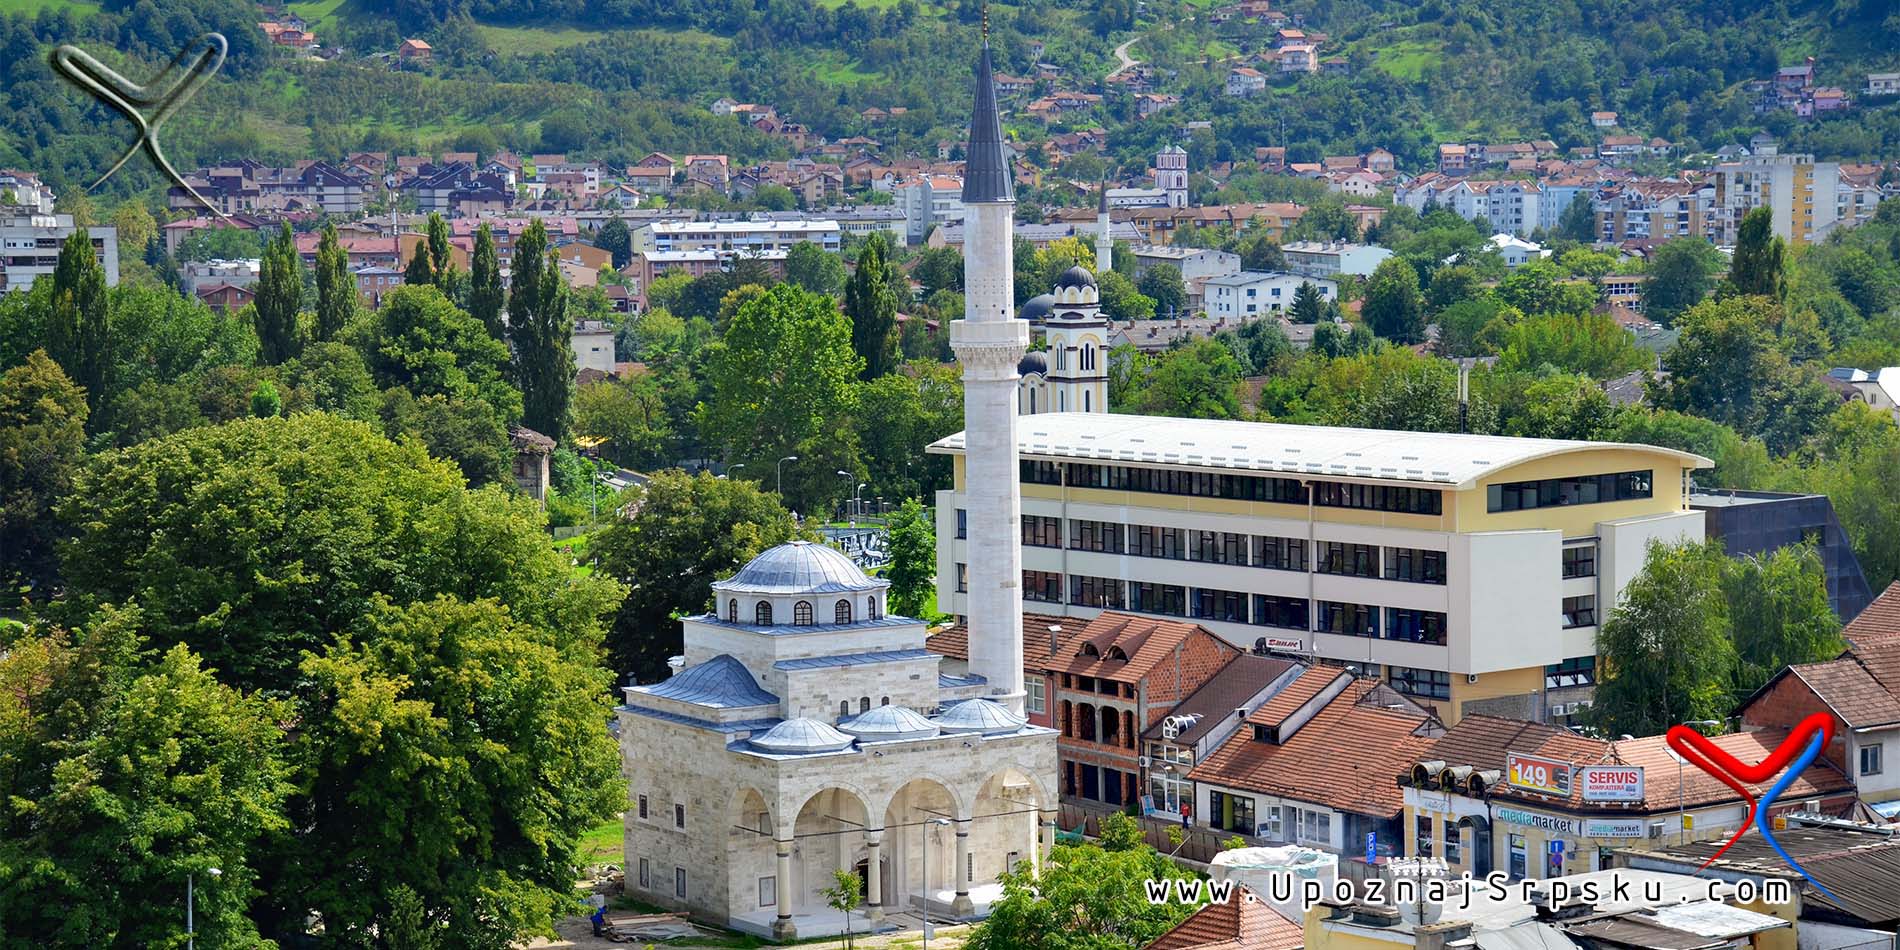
(911, 813)
(744, 808)
(828, 830)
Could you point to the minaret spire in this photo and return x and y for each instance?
(1104, 241)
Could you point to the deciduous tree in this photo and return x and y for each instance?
(1681, 273)
(872, 309)
(485, 294)
(815, 269)
(79, 332)
(1756, 268)
(42, 443)
(1664, 654)
(336, 288)
(1393, 308)
(913, 570)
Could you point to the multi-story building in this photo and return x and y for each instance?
(1803, 194)
(30, 243)
(1170, 173)
(1332, 258)
(1249, 294)
(1203, 722)
(739, 236)
(1653, 210)
(930, 201)
(1510, 205)
(1759, 522)
(1861, 688)
(1466, 571)
(24, 191)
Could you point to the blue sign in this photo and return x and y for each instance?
(1372, 847)
(1557, 846)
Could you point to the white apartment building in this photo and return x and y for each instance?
(742, 236)
(1249, 294)
(29, 248)
(1332, 258)
(930, 201)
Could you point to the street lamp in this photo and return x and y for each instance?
(857, 503)
(841, 473)
(927, 823)
(781, 474)
(191, 928)
(1682, 829)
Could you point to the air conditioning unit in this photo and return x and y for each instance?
(1655, 829)
(1559, 710)
(1141, 761)
(1580, 705)
(1471, 677)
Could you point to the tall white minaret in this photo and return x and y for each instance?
(1104, 242)
(989, 341)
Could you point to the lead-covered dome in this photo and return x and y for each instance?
(800, 736)
(890, 722)
(979, 717)
(1038, 307)
(1075, 277)
(1034, 361)
(798, 567)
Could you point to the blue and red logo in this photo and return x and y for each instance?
(1798, 751)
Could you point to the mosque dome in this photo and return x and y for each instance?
(1037, 307)
(1074, 278)
(800, 736)
(798, 567)
(1034, 361)
(890, 722)
(980, 717)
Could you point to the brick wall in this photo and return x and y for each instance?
(1788, 702)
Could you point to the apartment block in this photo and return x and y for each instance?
(1467, 572)
(29, 248)
(743, 236)
(1803, 193)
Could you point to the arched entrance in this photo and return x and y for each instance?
(920, 845)
(827, 835)
(1005, 825)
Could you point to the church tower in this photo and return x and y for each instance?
(1104, 240)
(989, 342)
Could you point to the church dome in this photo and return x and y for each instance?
(1038, 307)
(1034, 361)
(798, 567)
(800, 736)
(979, 716)
(1075, 277)
(890, 722)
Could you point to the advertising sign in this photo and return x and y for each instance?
(1531, 819)
(1533, 773)
(1614, 828)
(1611, 783)
(1281, 643)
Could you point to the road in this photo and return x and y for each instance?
(1122, 59)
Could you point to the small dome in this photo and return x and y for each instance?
(1037, 307)
(890, 722)
(800, 736)
(1077, 276)
(979, 716)
(798, 567)
(1034, 361)
(721, 682)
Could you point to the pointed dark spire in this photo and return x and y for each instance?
(986, 175)
(1103, 191)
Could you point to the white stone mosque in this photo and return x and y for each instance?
(807, 730)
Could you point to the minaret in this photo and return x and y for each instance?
(989, 341)
(1104, 243)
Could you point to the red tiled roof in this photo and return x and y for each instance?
(1880, 620)
(1296, 694)
(1245, 922)
(954, 641)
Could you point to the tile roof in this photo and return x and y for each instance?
(1119, 647)
(1225, 691)
(1861, 867)
(1245, 922)
(954, 641)
(1296, 694)
(1851, 690)
(1879, 620)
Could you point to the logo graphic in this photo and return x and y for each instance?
(1801, 748)
(164, 95)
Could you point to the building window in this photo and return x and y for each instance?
(1286, 612)
(801, 614)
(1422, 828)
(732, 610)
(1415, 564)
(762, 614)
(1038, 700)
(1217, 547)
(679, 815)
(864, 704)
(646, 875)
(1580, 490)
(1042, 586)
(841, 612)
(679, 883)
(1227, 605)
(1316, 826)
(1042, 532)
(1100, 536)
(1428, 684)
(871, 610)
(844, 709)
(1281, 554)
(963, 578)
(1580, 611)
(1353, 620)
(1165, 599)
(768, 891)
(1039, 473)
(1231, 812)
(1417, 626)
(1580, 560)
(1576, 671)
(1153, 541)
(1870, 759)
(1352, 560)
(643, 806)
(1415, 501)
(963, 523)
(1183, 482)
(1105, 592)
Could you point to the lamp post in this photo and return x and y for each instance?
(1682, 830)
(928, 822)
(857, 503)
(841, 473)
(191, 898)
(781, 474)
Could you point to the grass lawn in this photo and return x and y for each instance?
(1407, 59)
(33, 7)
(576, 548)
(320, 14)
(834, 70)
(604, 844)
(528, 40)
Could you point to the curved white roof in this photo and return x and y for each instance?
(798, 567)
(980, 716)
(1450, 459)
(890, 722)
(800, 736)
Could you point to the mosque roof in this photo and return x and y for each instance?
(986, 173)
(798, 567)
(800, 736)
(721, 682)
(1075, 276)
(853, 659)
(1037, 307)
(980, 716)
(890, 722)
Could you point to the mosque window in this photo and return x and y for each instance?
(732, 610)
(762, 614)
(844, 708)
(864, 704)
(801, 614)
(883, 700)
(870, 607)
(841, 612)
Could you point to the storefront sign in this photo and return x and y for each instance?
(1281, 643)
(1537, 774)
(1611, 783)
(1531, 819)
(1615, 828)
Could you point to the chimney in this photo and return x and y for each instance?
(1055, 638)
(1440, 935)
(675, 664)
(1375, 915)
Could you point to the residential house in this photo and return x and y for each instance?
(1621, 149)
(1603, 120)
(375, 281)
(1882, 84)
(24, 191)
(1453, 158)
(1149, 103)
(415, 51)
(1381, 161)
(1297, 58)
(1244, 296)
(1332, 258)
(223, 297)
(1203, 722)
(1245, 921)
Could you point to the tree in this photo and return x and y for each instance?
(1259, 252)
(1198, 381)
(1756, 268)
(1393, 308)
(1575, 342)
(541, 332)
(913, 570)
(1162, 283)
(1416, 396)
(265, 401)
(1461, 325)
(872, 307)
(1778, 613)
(630, 414)
(815, 269)
(458, 427)
(1725, 367)
(336, 288)
(939, 268)
(1452, 285)
(422, 343)
(136, 227)
(42, 442)
(441, 253)
(1085, 897)
(901, 413)
(279, 296)
(1120, 299)
(614, 238)
(1579, 220)
(1308, 305)
(1540, 286)
(1681, 273)
(686, 532)
(79, 333)
(843, 896)
(419, 272)
(485, 294)
(1664, 654)
(1564, 406)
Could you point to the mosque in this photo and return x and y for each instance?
(805, 729)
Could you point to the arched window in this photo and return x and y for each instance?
(1062, 357)
(844, 708)
(762, 614)
(732, 610)
(1062, 400)
(801, 614)
(1032, 399)
(864, 704)
(883, 700)
(1086, 400)
(870, 607)
(841, 612)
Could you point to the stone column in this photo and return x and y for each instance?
(1048, 841)
(962, 906)
(873, 876)
(782, 928)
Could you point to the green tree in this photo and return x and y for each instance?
(630, 414)
(1681, 273)
(1308, 304)
(1575, 342)
(901, 413)
(422, 343)
(1579, 220)
(1416, 396)
(843, 896)
(485, 294)
(939, 268)
(419, 272)
(1562, 406)
(79, 333)
(614, 238)
(265, 401)
(442, 255)
(1084, 897)
(458, 427)
(279, 296)
(1393, 308)
(42, 442)
(815, 269)
(686, 532)
(1725, 367)
(1756, 268)
(136, 227)
(1162, 284)
(1778, 613)
(1198, 381)
(913, 570)
(1664, 654)
(1540, 286)
(1451, 285)
(1462, 325)
(541, 332)
(872, 308)
(1120, 299)
(336, 288)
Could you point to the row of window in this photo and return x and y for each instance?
(679, 812)
(1579, 490)
(1268, 488)
(679, 883)
(802, 611)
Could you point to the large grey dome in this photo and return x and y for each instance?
(1034, 361)
(1077, 276)
(1038, 307)
(798, 567)
(979, 716)
(721, 682)
(890, 722)
(799, 736)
